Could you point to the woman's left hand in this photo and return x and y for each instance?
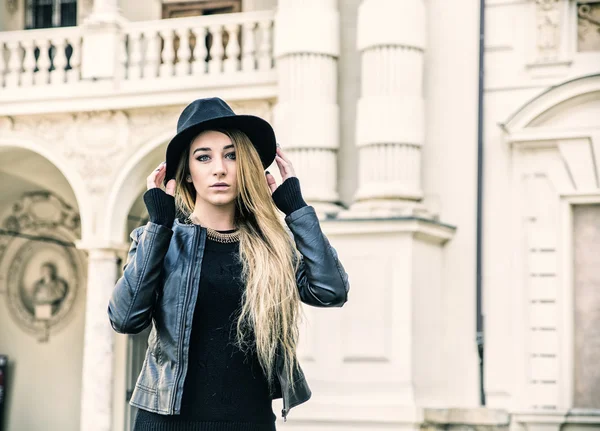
(285, 168)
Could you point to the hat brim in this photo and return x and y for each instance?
(259, 132)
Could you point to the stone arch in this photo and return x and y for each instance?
(557, 95)
(130, 183)
(72, 177)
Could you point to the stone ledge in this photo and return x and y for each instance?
(471, 417)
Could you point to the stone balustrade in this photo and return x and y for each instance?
(39, 58)
(209, 45)
(231, 54)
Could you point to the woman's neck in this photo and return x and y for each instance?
(214, 217)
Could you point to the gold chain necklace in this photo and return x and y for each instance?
(215, 235)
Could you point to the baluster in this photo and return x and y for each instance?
(200, 51)
(215, 63)
(57, 76)
(184, 53)
(249, 48)
(75, 60)
(28, 64)
(43, 74)
(152, 54)
(232, 51)
(14, 64)
(264, 52)
(135, 56)
(2, 65)
(168, 54)
(123, 58)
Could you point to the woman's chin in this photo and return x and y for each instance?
(221, 201)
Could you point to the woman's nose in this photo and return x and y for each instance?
(219, 166)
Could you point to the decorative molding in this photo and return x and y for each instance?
(43, 275)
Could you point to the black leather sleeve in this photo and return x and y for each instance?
(321, 278)
(134, 295)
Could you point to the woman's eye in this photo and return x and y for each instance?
(230, 155)
(202, 158)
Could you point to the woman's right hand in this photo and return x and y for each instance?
(156, 178)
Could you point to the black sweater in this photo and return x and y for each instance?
(224, 388)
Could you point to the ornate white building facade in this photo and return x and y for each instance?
(375, 101)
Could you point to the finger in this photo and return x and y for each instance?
(282, 168)
(170, 189)
(151, 179)
(160, 177)
(281, 154)
(286, 163)
(271, 182)
(286, 169)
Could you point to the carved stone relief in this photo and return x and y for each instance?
(146, 124)
(548, 19)
(588, 26)
(43, 269)
(12, 6)
(94, 141)
(97, 144)
(6, 123)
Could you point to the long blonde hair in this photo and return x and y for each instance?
(271, 310)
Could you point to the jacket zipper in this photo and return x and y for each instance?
(285, 410)
(185, 301)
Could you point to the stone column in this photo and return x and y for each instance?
(102, 41)
(390, 112)
(105, 7)
(97, 381)
(306, 116)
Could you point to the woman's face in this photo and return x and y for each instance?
(212, 164)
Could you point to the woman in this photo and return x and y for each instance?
(221, 285)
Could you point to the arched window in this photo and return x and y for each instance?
(50, 13)
(179, 9)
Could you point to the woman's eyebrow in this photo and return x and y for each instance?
(210, 149)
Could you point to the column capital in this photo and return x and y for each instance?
(313, 29)
(391, 22)
(101, 248)
(104, 12)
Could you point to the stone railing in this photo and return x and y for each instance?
(210, 45)
(40, 58)
(142, 63)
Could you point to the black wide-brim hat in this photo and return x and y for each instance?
(214, 113)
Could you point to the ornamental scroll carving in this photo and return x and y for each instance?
(548, 21)
(95, 142)
(44, 271)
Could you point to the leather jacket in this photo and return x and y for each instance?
(159, 287)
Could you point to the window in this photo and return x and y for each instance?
(179, 9)
(50, 13)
